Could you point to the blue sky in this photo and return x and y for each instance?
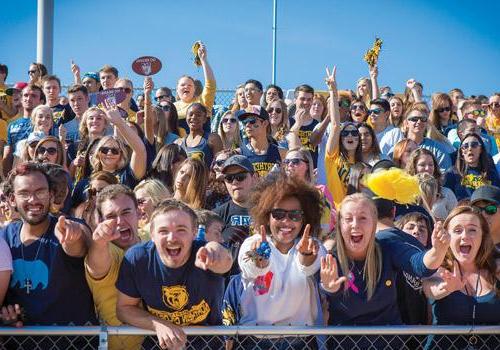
(443, 44)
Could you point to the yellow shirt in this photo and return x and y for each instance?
(105, 296)
(207, 98)
(493, 126)
(3, 130)
(337, 175)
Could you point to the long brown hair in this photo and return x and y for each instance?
(197, 185)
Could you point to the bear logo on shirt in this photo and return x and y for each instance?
(175, 297)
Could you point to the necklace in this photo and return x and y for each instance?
(473, 339)
(27, 281)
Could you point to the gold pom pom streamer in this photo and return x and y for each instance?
(194, 49)
(371, 56)
(393, 184)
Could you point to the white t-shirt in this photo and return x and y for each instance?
(5, 256)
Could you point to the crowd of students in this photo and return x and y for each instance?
(165, 211)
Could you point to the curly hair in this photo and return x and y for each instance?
(273, 190)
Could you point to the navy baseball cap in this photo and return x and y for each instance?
(239, 161)
(252, 111)
(487, 193)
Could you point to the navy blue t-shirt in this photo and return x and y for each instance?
(58, 292)
(185, 296)
(201, 151)
(353, 307)
(262, 163)
(304, 135)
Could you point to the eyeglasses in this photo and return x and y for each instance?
(161, 97)
(444, 109)
(165, 108)
(250, 121)
(477, 113)
(126, 90)
(40, 194)
(376, 111)
(272, 110)
(106, 150)
(354, 107)
(294, 161)
(494, 105)
(489, 209)
(50, 150)
(238, 177)
(472, 144)
(294, 215)
(229, 120)
(416, 119)
(345, 133)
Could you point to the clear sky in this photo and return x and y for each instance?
(443, 44)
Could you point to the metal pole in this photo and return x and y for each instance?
(45, 33)
(275, 21)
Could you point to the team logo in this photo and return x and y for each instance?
(175, 297)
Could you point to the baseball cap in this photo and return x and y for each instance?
(239, 161)
(35, 136)
(17, 86)
(92, 75)
(252, 111)
(486, 193)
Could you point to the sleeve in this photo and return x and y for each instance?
(5, 256)
(315, 266)
(208, 95)
(333, 181)
(126, 282)
(406, 257)
(248, 268)
(112, 275)
(451, 199)
(443, 159)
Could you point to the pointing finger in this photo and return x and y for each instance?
(263, 233)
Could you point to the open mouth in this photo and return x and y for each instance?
(465, 249)
(173, 252)
(35, 209)
(125, 234)
(356, 238)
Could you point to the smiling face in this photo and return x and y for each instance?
(471, 150)
(252, 94)
(304, 100)
(107, 156)
(185, 89)
(285, 231)
(195, 117)
(272, 95)
(466, 236)
(357, 223)
(416, 122)
(363, 88)
(46, 152)
(350, 140)
(173, 233)
(275, 113)
(317, 108)
(31, 197)
(425, 164)
(96, 123)
(43, 120)
(366, 138)
(122, 208)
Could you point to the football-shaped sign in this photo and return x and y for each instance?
(146, 65)
(113, 96)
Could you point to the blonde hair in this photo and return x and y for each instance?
(429, 190)
(228, 142)
(95, 160)
(42, 108)
(367, 98)
(373, 261)
(284, 125)
(155, 190)
(83, 130)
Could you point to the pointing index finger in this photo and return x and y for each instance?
(263, 233)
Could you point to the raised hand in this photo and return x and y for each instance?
(148, 85)
(259, 249)
(301, 117)
(330, 79)
(170, 336)
(307, 245)
(329, 274)
(75, 69)
(111, 111)
(62, 134)
(373, 72)
(106, 231)
(452, 281)
(67, 231)
(207, 257)
(202, 52)
(440, 238)
(411, 84)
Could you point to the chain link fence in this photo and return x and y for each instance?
(236, 338)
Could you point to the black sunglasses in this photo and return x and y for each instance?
(165, 108)
(294, 161)
(229, 120)
(271, 110)
(444, 109)
(354, 107)
(416, 119)
(50, 150)
(472, 144)
(376, 111)
(345, 133)
(106, 150)
(250, 121)
(238, 177)
(158, 98)
(126, 90)
(294, 215)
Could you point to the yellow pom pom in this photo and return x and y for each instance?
(194, 50)
(393, 184)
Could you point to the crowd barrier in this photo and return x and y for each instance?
(258, 337)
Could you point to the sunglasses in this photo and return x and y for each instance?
(228, 120)
(250, 121)
(31, 72)
(165, 108)
(376, 111)
(444, 109)
(161, 97)
(354, 107)
(106, 150)
(477, 113)
(238, 177)
(494, 105)
(219, 162)
(344, 103)
(294, 215)
(416, 119)
(126, 90)
(294, 161)
(345, 133)
(472, 144)
(489, 209)
(50, 150)
(271, 110)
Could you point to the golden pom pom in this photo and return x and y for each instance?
(393, 184)
(196, 58)
(371, 56)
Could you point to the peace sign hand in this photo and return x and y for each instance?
(307, 245)
(329, 274)
(330, 78)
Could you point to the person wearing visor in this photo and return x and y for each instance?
(262, 154)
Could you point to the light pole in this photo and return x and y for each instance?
(45, 33)
(275, 21)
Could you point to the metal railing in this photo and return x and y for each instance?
(258, 337)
